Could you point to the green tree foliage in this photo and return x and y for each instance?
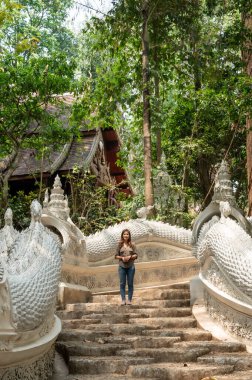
(91, 207)
(7, 9)
(20, 204)
(197, 86)
(119, 83)
(212, 101)
(204, 94)
(37, 62)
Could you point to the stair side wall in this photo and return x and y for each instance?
(105, 278)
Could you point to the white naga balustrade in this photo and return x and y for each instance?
(88, 261)
(223, 246)
(30, 270)
(30, 266)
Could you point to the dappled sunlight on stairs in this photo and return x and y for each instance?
(155, 338)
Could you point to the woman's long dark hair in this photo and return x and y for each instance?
(122, 241)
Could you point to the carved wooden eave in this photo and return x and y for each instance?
(63, 155)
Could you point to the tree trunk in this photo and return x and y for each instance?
(205, 179)
(249, 162)
(5, 179)
(247, 57)
(148, 189)
(157, 100)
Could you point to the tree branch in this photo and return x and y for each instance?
(88, 6)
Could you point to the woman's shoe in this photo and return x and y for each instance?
(129, 303)
(123, 303)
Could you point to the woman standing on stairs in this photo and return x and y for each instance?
(126, 254)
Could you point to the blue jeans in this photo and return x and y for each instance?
(126, 273)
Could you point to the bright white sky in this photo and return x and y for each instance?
(79, 14)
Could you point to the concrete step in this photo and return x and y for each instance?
(179, 285)
(186, 334)
(122, 342)
(115, 315)
(149, 294)
(102, 377)
(91, 315)
(134, 323)
(173, 371)
(237, 376)
(167, 355)
(118, 328)
(63, 314)
(134, 328)
(140, 341)
(159, 293)
(90, 348)
(163, 303)
(166, 303)
(83, 335)
(155, 338)
(189, 334)
(104, 365)
(172, 312)
(160, 323)
(240, 361)
(175, 312)
(214, 346)
(104, 306)
(79, 323)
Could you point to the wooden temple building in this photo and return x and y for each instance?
(95, 150)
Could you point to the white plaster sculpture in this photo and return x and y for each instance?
(96, 248)
(7, 235)
(57, 203)
(223, 246)
(221, 240)
(29, 280)
(102, 245)
(230, 248)
(143, 212)
(55, 215)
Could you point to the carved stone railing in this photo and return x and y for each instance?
(223, 246)
(164, 251)
(30, 266)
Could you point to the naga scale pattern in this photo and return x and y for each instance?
(102, 245)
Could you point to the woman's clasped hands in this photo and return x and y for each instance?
(125, 259)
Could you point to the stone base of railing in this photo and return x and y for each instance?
(33, 360)
(41, 368)
(224, 316)
(105, 278)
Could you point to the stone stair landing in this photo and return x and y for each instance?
(155, 338)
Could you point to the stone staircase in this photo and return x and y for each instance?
(155, 338)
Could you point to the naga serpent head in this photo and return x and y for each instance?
(225, 209)
(8, 216)
(36, 211)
